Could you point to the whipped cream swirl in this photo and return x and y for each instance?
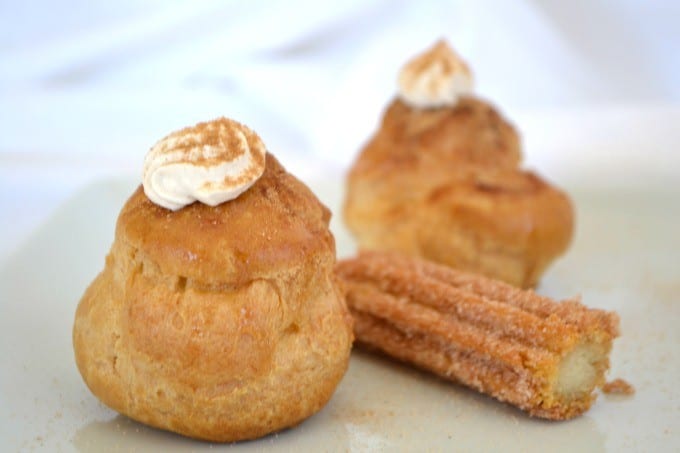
(436, 78)
(211, 162)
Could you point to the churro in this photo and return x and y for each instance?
(543, 356)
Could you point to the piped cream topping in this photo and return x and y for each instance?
(435, 78)
(211, 162)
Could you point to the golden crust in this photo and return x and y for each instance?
(276, 223)
(471, 132)
(443, 184)
(222, 323)
(539, 355)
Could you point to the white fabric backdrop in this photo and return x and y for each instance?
(87, 87)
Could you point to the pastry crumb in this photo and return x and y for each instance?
(618, 387)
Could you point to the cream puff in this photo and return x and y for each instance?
(217, 314)
(440, 179)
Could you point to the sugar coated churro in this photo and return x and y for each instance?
(543, 356)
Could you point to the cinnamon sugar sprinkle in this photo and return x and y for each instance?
(212, 142)
(441, 53)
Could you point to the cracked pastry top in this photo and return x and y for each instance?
(275, 225)
(220, 322)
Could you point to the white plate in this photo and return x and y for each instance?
(624, 258)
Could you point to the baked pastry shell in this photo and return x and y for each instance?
(444, 184)
(222, 323)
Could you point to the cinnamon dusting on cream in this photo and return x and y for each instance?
(211, 162)
(435, 78)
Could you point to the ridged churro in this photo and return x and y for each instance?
(543, 356)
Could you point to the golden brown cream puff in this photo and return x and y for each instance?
(440, 179)
(221, 322)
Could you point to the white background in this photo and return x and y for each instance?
(87, 87)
